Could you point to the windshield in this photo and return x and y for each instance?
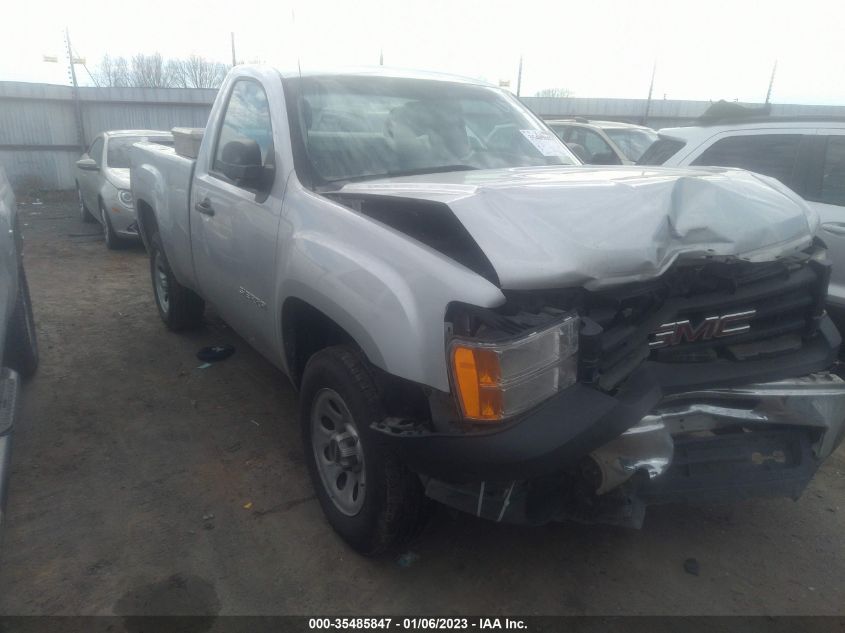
(118, 152)
(358, 128)
(632, 141)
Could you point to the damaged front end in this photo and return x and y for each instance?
(712, 382)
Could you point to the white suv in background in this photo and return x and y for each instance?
(604, 142)
(806, 154)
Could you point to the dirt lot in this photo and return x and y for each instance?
(142, 483)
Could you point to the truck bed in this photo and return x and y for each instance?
(163, 177)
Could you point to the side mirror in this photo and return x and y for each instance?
(87, 164)
(240, 162)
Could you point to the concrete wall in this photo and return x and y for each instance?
(39, 138)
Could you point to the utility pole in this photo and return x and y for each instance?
(381, 57)
(650, 89)
(80, 128)
(771, 82)
(234, 59)
(519, 78)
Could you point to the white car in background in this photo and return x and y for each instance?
(806, 154)
(604, 142)
(102, 183)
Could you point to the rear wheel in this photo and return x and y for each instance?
(84, 213)
(180, 308)
(21, 352)
(368, 496)
(113, 240)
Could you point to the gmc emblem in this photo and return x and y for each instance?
(711, 327)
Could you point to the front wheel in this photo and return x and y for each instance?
(113, 240)
(368, 496)
(179, 307)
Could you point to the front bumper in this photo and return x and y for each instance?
(124, 220)
(741, 441)
(568, 427)
(672, 432)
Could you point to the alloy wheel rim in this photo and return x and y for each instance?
(338, 452)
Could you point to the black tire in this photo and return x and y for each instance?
(180, 308)
(113, 241)
(21, 352)
(84, 213)
(395, 507)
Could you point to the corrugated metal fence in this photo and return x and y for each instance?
(39, 138)
(661, 112)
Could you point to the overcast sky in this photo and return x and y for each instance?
(706, 49)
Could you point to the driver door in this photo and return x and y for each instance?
(234, 226)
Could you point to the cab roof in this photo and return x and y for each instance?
(382, 71)
(114, 133)
(599, 124)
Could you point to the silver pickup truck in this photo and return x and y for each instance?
(471, 316)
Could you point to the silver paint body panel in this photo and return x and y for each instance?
(543, 227)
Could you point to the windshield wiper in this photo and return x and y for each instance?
(439, 169)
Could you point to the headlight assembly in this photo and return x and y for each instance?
(125, 197)
(494, 381)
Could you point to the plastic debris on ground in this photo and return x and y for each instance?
(215, 353)
(691, 566)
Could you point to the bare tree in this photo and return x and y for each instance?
(153, 71)
(197, 72)
(150, 71)
(112, 71)
(553, 92)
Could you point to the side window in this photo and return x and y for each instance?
(595, 144)
(589, 146)
(833, 176)
(246, 135)
(96, 150)
(769, 154)
(561, 130)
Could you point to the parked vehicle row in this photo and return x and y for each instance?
(102, 183)
(473, 317)
(807, 155)
(604, 142)
(18, 341)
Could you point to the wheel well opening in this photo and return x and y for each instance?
(306, 331)
(146, 221)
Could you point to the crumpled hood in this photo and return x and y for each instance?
(553, 227)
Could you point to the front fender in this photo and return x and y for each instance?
(386, 290)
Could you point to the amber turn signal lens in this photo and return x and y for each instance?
(496, 381)
(477, 375)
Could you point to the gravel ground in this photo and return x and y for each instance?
(144, 484)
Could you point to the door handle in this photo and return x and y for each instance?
(836, 228)
(204, 207)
